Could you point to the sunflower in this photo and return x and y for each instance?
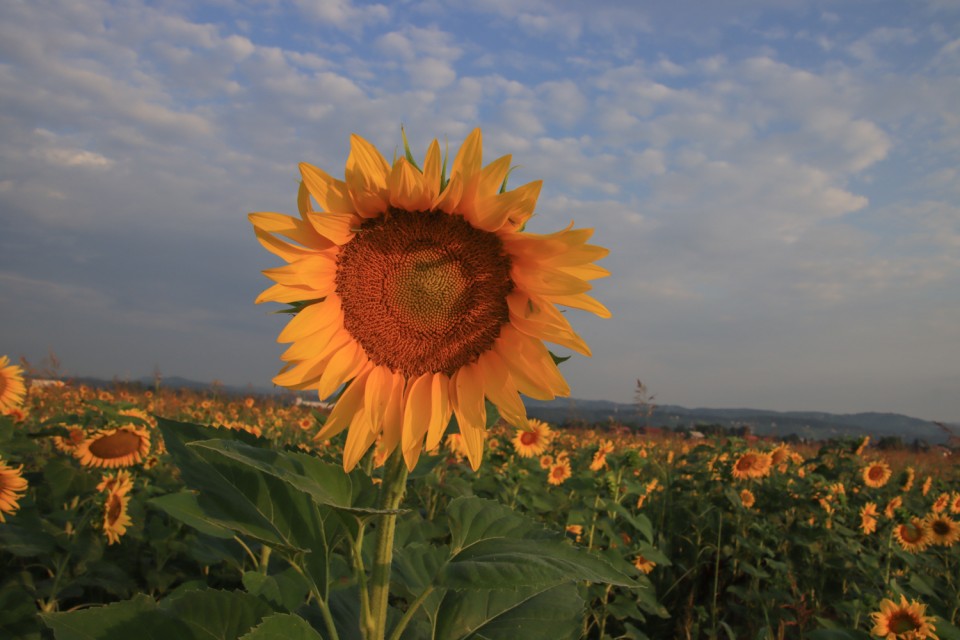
(925, 488)
(559, 472)
(546, 461)
(909, 475)
(868, 518)
(747, 499)
(532, 441)
(12, 488)
(69, 443)
(904, 621)
(955, 502)
(115, 516)
(752, 464)
(575, 531)
(940, 504)
(112, 448)
(119, 482)
(895, 503)
(643, 564)
(12, 388)
(913, 536)
(876, 474)
(425, 295)
(943, 530)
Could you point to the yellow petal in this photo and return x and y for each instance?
(546, 281)
(338, 228)
(359, 439)
(293, 228)
(342, 366)
(310, 346)
(366, 177)
(470, 156)
(440, 410)
(432, 166)
(501, 390)
(416, 416)
(346, 409)
(492, 176)
(449, 200)
(493, 212)
(393, 416)
(285, 293)
(582, 301)
(379, 389)
(530, 365)
(586, 271)
(316, 271)
(471, 412)
(282, 248)
(311, 319)
(540, 319)
(331, 194)
(406, 187)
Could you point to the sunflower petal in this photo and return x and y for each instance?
(311, 319)
(493, 212)
(432, 166)
(540, 319)
(331, 194)
(501, 389)
(379, 389)
(293, 228)
(546, 281)
(359, 439)
(416, 416)
(582, 301)
(346, 409)
(471, 411)
(285, 294)
(393, 416)
(343, 365)
(407, 189)
(366, 174)
(440, 410)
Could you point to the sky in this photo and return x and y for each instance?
(776, 180)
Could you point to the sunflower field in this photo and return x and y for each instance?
(426, 504)
(104, 534)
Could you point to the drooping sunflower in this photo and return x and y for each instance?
(533, 440)
(12, 389)
(69, 443)
(876, 474)
(115, 516)
(868, 518)
(426, 295)
(119, 482)
(643, 564)
(903, 621)
(943, 530)
(113, 448)
(913, 536)
(12, 487)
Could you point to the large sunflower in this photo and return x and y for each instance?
(425, 294)
(12, 388)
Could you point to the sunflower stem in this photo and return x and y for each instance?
(391, 494)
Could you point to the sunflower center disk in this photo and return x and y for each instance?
(116, 445)
(423, 292)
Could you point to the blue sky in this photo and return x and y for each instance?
(777, 181)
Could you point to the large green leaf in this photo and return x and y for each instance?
(493, 547)
(283, 626)
(183, 506)
(136, 618)
(496, 563)
(217, 615)
(550, 612)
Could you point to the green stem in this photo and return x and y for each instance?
(716, 577)
(408, 614)
(391, 493)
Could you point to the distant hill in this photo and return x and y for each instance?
(813, 425)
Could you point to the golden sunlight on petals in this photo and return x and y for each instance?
(543, 321)
(359, 439)
(432, 168)
(502, 391)
(294, 228)
(440, 411)
(331, 194)
(282, 248)
(366, 176)
(347, 407)
(377, 395)
(286, 294)
(406, 187)
(311, 319)
(338, 228)
(517, 205)
(416, 415)
(342, 366)
(312, 272)
(582, 301)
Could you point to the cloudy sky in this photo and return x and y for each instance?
(777, 180)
